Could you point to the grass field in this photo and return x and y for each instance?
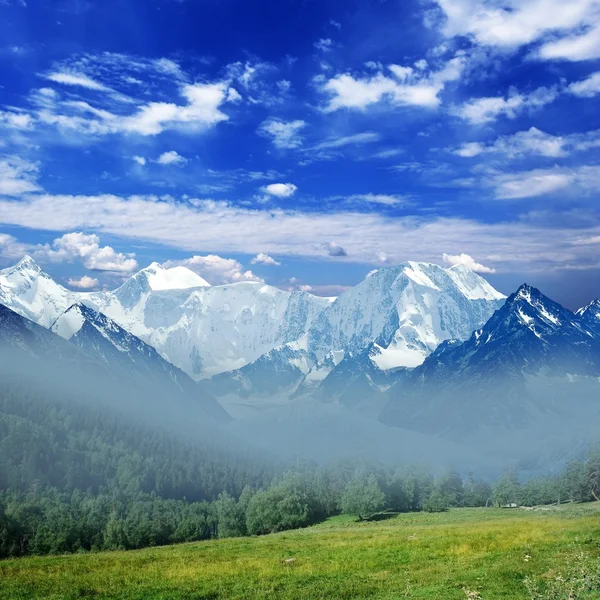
(433, 556)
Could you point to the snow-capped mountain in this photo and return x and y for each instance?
(590, 315)
(405, 311)
(201, 329)
(530, 358)
(30, 292)
(22, 335)
(133, 359)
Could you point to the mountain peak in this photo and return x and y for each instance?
(27, 261)
(590, 316)
(175, 278)
(593, 307)
(26, 264)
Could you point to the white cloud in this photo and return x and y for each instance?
(10, 247)
(485, 110)
(201, 110)
(588, 88)
(405, 87)
(531, 183)
(17, 176)
(514, 23)
(194, 225)
(281, 190)
(77, 79)
(83, 283)
(15, 120)
(283, 134)
(140, 160)
(171, 158)
(530, 142)
(366, 137)
(585, 46)
(79, 246)
(265, 259)
(467, 261)
(216, 269)
(582, 182)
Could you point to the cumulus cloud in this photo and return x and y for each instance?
(486, 110)
(283, 134)
(216, 269)
(140, 160)
(17, 176)
(280, 190)
(467, 261)
(334, 249)
(80, 246)
(587, 88)
(83, 283)
(265, 259)
(514, 23)
(171, 158)
(402, 86)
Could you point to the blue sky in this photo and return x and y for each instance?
(304, 143)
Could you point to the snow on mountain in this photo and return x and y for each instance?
(590, 315)
(17, 333)
(30, 292)
(532, 357)
(129, 357)
(176, 278)
(203, 330)
(407, 311)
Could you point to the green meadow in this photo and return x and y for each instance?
(464, 553)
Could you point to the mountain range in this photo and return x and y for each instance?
(434, 350)
(201, 329)
(390, 321)
(533, 357)
(88, 357)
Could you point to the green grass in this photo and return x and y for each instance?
(433, 556)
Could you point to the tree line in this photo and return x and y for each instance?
(77, 478)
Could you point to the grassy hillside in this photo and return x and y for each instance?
(435, 556)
